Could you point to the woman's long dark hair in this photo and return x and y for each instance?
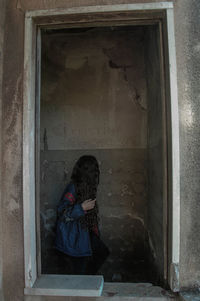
(85, 177)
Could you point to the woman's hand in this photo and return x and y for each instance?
(88, 204)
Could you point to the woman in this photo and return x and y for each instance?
(77, 228)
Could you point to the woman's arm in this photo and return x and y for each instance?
(69, 208)
(67, 205)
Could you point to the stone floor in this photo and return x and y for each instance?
(190, 296)
(136, 291)
(91, 288)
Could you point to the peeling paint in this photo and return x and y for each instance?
(115, 66)
(49, 219)
(137, 218)
(13, 205)
(14, 109)
(136, 98)
(174, 277)
(75, 62)
(110, 171)
(125, 191)
(197, 48)
(153, 252)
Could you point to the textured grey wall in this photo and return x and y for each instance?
(11, 164)
(187, 46)
(2, 20)
(155, 148)
(187, 23)
(94, 90)
(94, 98)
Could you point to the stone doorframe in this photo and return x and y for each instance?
(160, 13)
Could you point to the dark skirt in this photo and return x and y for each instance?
(87, 265)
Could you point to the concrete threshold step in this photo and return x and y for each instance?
(67, 285)
(94, 289)
(135, 291)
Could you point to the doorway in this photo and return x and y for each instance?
(101, 94)
(165, 145)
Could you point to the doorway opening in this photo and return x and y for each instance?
(103, 94)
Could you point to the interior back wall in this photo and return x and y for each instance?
(93, 101)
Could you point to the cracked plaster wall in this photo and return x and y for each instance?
(94, 101)
(187, 49)
(155, 139)
(94, 90)
(2, 20)
(187, 24)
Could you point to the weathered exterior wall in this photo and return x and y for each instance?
(187, 45)
(35, 5)
(94, 101)
(11, 164)
(2, 19)
(187, 24)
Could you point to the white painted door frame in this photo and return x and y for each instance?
(32, 22)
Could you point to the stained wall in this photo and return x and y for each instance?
(187, 24)
(93, 101)
(2, 19)
(187, 49)
(156, 150)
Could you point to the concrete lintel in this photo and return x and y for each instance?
(99, 9)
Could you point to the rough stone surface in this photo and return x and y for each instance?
(122, 292)
(136, 290)
(187, 24)
(187, 46)
(11, 168)
(52, 4)
(116, 298)
(2, 19)
(190, 296)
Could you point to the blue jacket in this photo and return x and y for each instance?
(71, 238)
